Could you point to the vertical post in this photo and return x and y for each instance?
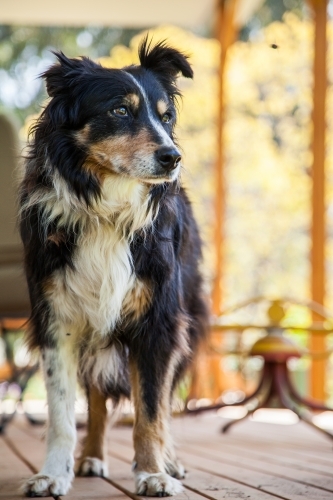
(208, 377)
(226, 34)
(318, 232)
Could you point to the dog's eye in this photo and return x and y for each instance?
(166, 118)
(121, 111)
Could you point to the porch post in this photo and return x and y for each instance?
(318, 230)
(226, 34)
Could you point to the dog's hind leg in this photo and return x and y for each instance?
(152, 442)
(92, 462)
(60, 369)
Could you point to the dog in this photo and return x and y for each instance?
(112, 255)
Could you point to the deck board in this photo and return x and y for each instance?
(279, 457)
(241, 474)
(28, 443)
(247, 460)
(255, 461)
(12, 473)
(203, 482)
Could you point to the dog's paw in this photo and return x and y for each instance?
(157, 485)
(175, 469)
(91, 466)
(44, 485)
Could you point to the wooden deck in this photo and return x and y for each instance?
(255, 461)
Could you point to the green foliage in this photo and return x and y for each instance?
(268, 139)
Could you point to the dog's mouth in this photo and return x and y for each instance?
(162, 178)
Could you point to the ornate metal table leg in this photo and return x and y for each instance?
(266, 380)
(314, 405)
(282, 386)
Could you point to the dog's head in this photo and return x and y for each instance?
(114, 121)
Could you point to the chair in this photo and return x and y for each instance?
(14, 299)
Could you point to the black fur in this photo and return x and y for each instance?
(165, 255)
(166, 62)
(168, 256)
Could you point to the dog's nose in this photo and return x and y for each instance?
(168, 158)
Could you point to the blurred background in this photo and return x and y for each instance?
(255, 126)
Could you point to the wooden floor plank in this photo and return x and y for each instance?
(201, 482)
(308, 459)
(247, 460)
(32, 448)
(223, 449)
(288, 436)
(219, 488)
(120, 471)
(275, 456)
(310, 451)
(277, 484)
(255, 461)
(256, 429)
(12, 473)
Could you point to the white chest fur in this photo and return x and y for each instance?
(93, 293)
(95, 290)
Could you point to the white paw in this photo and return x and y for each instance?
(91, 466)
(157, 485)
(45, 485)
(175, 469)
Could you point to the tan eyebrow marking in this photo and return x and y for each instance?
(132, 100)
(162, 107)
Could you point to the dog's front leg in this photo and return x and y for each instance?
(151, 388)
(56, 475)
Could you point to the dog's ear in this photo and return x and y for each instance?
(62, 75)
(164, 60)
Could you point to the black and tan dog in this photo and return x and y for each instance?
(111, 258)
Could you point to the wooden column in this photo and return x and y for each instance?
(318, 232)
(208, 377)
(226, 34)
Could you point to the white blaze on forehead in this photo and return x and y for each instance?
(156, 124)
